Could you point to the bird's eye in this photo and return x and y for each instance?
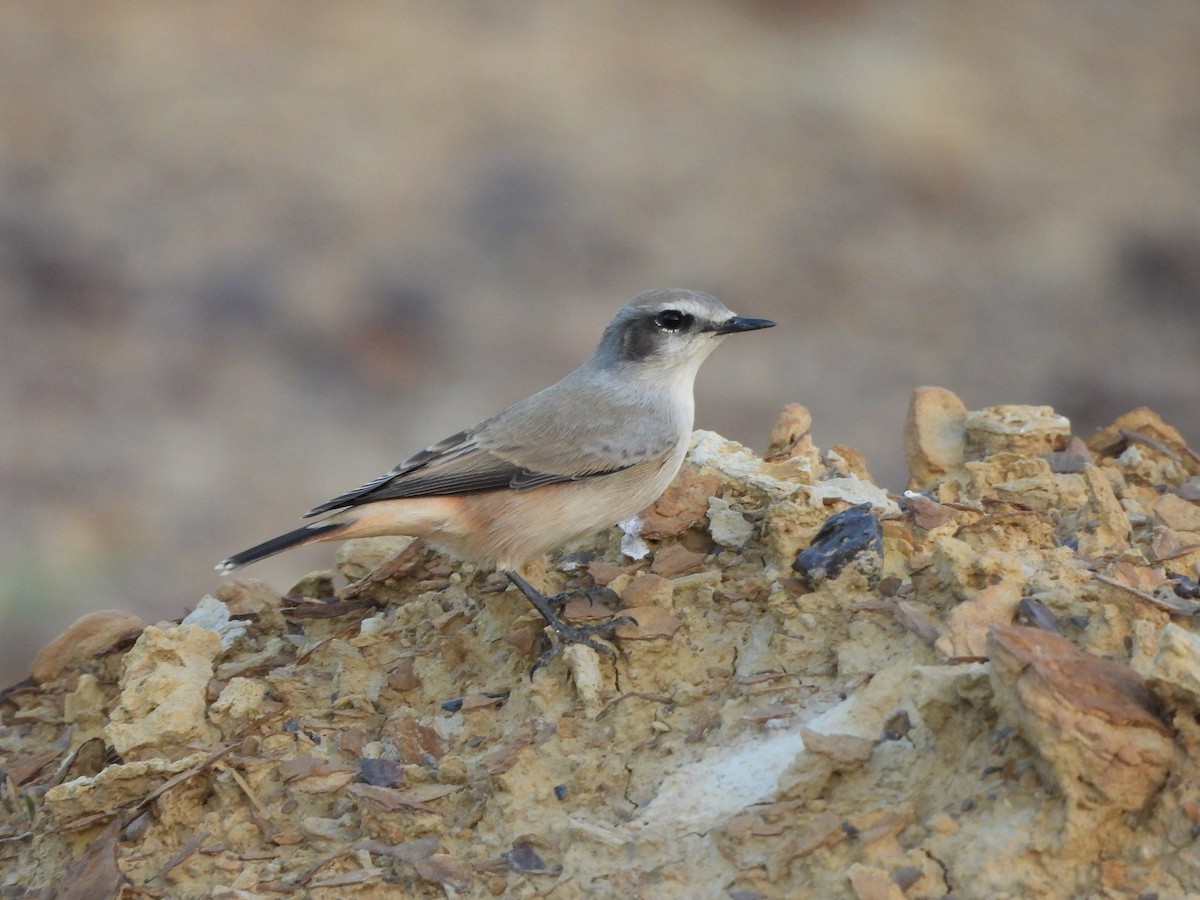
(672, 320)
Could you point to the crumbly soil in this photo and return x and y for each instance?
(997, 699)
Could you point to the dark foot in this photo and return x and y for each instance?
(592, 595)
(562, 633)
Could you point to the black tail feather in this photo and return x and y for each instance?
(278, 545)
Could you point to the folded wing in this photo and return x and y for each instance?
(519, 449)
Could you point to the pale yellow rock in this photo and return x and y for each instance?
(584, 665)
(1107, 531)
(898, 547)
(105, 790)
(360, 557)
(967, 624)
(849, 461)
(357, 681)
(83, 708)
(1146, 640)
(82, 641)
(1174, 672)
(844, 750)
(340, 830)
(726, 525)
(652, 622)
(1178, 514)
(161, 709)
(251, 597)
(1178, 459)
(240, 702)
(647, 589)
(748, 737)
(1090, 720)
(934, 436)
(788, 528)
(943, 824)
(1012, 478)
(790, 433)
(872, 883)
(961, 570)
(1025, 430)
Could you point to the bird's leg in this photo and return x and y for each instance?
(563, 633)
(592, 595)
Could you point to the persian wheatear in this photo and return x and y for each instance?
(589, 451)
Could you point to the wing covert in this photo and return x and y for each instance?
(530, 445)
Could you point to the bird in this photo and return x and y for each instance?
(591, 450)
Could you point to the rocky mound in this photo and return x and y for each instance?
(988, 687)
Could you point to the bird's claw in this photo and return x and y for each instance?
(564, 634)
(592, 595)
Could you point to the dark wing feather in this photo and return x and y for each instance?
(493, 455)
(457, 465)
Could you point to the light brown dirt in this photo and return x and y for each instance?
(911, 728)
(255, 254)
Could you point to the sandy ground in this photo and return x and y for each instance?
(254, 254)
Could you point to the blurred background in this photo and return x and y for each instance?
(253, 254)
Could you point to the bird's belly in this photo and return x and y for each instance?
(514, 527)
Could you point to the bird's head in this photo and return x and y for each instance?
(670, 330)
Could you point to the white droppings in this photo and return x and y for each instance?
(632, 544)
